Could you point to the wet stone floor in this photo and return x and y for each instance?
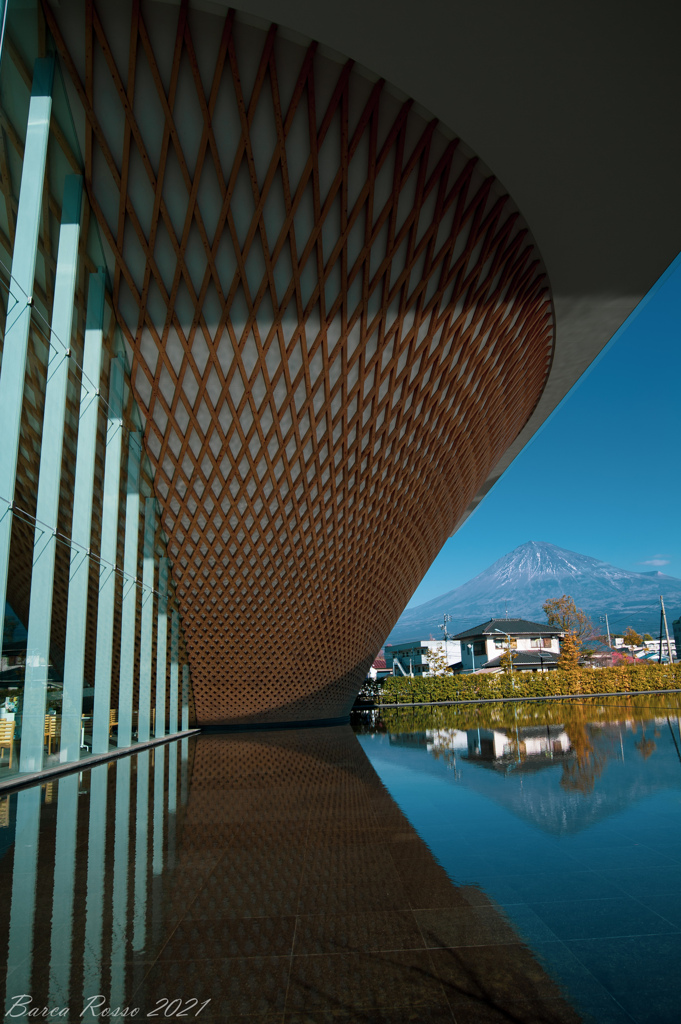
(306, 876)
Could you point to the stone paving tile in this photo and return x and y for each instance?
(464, 926)
(349, 982)
(230, 937)
(250, 985)
(374, 1015)
(651, 997)
(346, 933)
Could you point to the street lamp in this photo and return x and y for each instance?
(471, 648)
(508, 635)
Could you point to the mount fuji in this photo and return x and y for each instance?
(517, 585)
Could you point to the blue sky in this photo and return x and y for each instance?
(603, 476)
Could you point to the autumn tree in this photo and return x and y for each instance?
(570, 652)
(647, 636)
(507, 658)
(578, 629)
(623, 658)
(562, 613)
(632, 638)
(438, 663)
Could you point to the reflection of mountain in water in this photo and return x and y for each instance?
(543, 789)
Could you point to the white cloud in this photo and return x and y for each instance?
(655, 561)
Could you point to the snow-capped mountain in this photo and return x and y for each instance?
(517, 585)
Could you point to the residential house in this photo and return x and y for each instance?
(414, 657)
(653, 647)
(379, 669)
(535, 645)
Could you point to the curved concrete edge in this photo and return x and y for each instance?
(23, 781)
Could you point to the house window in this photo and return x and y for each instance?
(479, 647)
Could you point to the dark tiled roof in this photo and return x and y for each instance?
(516, 627)
(598, 647)
(523, 658)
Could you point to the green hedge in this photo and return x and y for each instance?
(568, 713)
(622, 678)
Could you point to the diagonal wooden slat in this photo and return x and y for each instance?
(316, 436)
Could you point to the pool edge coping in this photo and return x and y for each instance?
(22, 781)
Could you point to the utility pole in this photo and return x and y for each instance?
(666, 630)
(604, 618)
(445, 619)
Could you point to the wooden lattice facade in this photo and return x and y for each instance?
(336, 321)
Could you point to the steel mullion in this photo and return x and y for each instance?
(147, 622)
(129, 603)
(49, 479)
(161, 647)
(107, 568)
(76, 614)
(18, 321)
(174, 669)
(185, 698)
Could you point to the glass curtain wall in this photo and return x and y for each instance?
(93, 656)
(90, 869)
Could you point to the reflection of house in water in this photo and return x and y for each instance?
(596, 775)
(446, 739)
(504, 745)
(490, 745)
(497, 748)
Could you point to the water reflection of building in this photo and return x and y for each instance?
(446, 739)
(491, 745)
(530, 747)
(212, 872)
(421, 657)
(596, 774)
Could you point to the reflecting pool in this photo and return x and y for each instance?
(567, 815)
(459, 866)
